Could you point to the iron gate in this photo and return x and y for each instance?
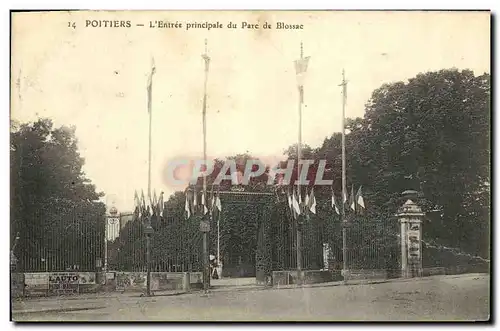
(245, 239)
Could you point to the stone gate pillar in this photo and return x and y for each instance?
(410, 217)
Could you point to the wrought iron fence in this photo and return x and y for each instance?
(73, 239)
(70, 239)
(371, 244)
(176, 245)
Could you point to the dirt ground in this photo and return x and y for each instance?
(437, 298)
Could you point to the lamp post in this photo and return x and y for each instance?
(148, 231)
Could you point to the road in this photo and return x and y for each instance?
(441, 298)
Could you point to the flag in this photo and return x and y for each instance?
(186, 207)
(205, 209)
(195, 203)
(334, 204)
(301, 65)
(153, 202)
(352, 203)
(295, 204)
(290, 203)
(137, 201)
(160, 204)
(137, 205)
(359, 200)
(301, 69)
(312, 202)
(212, 201)
(143, 203)
(150, 84)
(218, 203)
(289, 199)
(306, 200)
(344, 193)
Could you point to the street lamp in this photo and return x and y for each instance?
(148, 231)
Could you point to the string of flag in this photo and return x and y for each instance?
(356, 202)
(207, 206)
(155, 207)
(213, 204)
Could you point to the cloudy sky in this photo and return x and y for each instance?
(95, 79)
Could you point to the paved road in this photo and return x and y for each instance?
(443, 298)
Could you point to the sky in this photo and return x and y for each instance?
(95, 79)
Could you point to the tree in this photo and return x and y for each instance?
(430, 134)
(54, 207)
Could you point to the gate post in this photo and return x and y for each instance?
(410, 217)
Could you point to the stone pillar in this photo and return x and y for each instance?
(186, 281)
(410, 217)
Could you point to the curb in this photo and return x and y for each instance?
(373, 281)
(116, 295)
(54, 310)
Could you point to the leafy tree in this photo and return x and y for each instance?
(430, 134)
(54, 207)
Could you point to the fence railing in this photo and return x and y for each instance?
(75, 242)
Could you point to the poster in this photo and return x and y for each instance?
(80, 278)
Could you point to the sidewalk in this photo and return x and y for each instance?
(85, 301)
(103, 300)
(379, 281)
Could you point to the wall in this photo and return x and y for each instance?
(16, 285)
(53, 284)
(367, 274)
(58, 283)
(289, 277)
(160, 281)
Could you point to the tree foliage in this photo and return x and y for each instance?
(54, 207)
(431, 134)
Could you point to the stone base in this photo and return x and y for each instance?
(289, 277)
(111, 282)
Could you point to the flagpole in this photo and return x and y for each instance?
(344, 188)
(150, 111)
(299, 157)
(219, 264)
(206, 262)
